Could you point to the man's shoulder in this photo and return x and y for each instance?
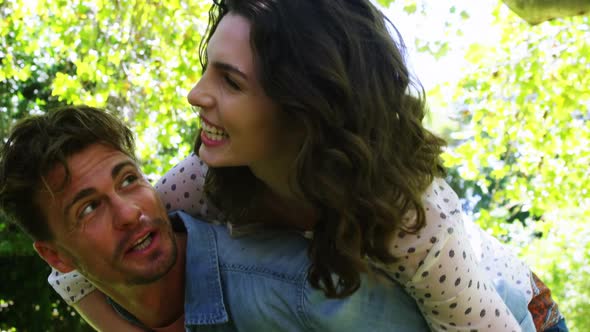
(274, 253)
(271, 266)
(279, 255)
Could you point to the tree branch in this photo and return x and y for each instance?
(538, 11)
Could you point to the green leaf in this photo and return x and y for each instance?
(385, 3)
(411, 8)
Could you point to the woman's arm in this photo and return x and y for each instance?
(89, 302)
(181, 188)
(441, 270)
(99, 314)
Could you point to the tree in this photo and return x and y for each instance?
(136, 58)
(519, 146)
(538, 11)
(524, 109)
(519, 150)
(532, 11)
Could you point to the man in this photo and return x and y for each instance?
(70, 179)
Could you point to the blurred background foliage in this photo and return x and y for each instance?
(517, 121)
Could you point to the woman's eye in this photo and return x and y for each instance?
(128, 180)
(232, 84)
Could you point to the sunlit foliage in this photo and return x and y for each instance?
(519, 140)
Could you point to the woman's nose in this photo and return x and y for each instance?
(201, 95)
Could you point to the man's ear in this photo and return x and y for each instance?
(53, 257)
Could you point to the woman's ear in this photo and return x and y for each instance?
(53, 256)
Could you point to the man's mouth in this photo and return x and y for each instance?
(142, 243)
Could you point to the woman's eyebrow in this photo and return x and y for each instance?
(230, 68)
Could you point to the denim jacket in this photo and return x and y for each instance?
(259, 282)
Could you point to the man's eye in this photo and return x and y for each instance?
(129, 180)
(88, 208)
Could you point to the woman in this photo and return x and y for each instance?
(310, 120)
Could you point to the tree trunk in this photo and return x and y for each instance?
(537, 11)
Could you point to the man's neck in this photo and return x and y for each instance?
(162, 302)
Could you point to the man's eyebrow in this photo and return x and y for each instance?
(79, 196)
(230, 68)
(117, 169)
(89, 191)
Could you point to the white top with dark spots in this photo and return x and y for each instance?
(70, 286)
(181, 188)
(449, 264)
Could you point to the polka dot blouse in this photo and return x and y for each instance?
(448, 266)
(181, 188)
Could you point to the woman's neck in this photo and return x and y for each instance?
(282, 203)
(289, 212)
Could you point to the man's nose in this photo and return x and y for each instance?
(126, 212)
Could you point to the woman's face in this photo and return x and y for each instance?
(241, 125)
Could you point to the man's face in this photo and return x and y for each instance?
(107, 222)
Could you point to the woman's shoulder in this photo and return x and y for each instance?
(442, 209)
(441, 195)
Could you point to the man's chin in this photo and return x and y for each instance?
(155, 270)
(148, 277)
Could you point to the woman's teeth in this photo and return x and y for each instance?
(213, 133)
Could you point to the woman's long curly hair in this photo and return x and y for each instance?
(335, 67)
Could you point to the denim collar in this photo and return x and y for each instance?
(203, 302)
(203, 295)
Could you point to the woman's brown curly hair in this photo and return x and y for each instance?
(366, 159)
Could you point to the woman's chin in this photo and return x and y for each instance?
(213, 159)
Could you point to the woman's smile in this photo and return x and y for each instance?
(211, 134)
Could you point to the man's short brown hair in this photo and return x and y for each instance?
(37, 144)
